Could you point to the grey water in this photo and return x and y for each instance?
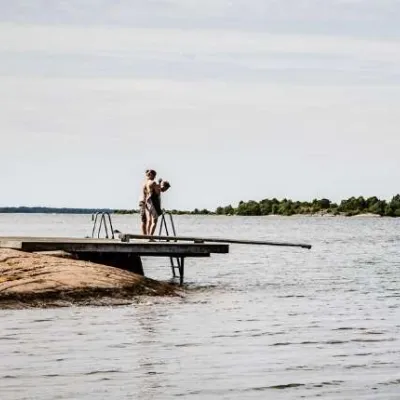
(259, 323)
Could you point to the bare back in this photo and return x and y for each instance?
(152, 187)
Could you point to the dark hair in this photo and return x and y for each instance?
(151, 172)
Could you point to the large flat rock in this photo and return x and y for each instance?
(39, 280)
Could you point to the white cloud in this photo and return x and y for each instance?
(73, 40)
(68, 51)
(335, 16)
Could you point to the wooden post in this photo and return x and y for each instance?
(127, 261)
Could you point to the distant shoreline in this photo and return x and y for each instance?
(351, 207)
(52, 210)
(134, 212)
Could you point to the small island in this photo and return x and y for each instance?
(349, 207)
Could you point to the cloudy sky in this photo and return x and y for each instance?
(229, 100)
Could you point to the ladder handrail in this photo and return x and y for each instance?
(103, 221)
(163, 224)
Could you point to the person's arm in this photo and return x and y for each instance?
(143, 197)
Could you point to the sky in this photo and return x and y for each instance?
(228, 100)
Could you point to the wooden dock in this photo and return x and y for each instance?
(116, 253)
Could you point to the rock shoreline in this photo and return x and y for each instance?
(29, 280)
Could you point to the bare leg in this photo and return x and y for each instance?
(153, 226)
(144, 218)
(144, 227)
(148, 222)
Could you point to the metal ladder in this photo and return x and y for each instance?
(101, 220)
(177, 263)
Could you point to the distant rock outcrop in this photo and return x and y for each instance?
(42, 280)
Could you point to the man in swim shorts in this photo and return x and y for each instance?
(142, 205)
(152, 192)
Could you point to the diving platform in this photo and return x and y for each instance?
(114, 252)
(125, 250)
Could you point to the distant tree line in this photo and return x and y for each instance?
(348, 207)
(52, 210)
(196, 211)
(66, 210)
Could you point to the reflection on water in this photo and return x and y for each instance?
(261, 322)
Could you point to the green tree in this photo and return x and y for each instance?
(393, 208)
(324, 204)
(266, 207)
(249, 208)
(229, 210)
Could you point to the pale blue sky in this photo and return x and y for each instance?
(229, 100)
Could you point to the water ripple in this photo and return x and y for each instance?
(258, 323)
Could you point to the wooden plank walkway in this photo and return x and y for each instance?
(114, 252)
(140, 248)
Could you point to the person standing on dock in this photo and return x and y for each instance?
(142, 205)
(153, 191)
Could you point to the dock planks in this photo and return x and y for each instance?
(139, 248)
(113, 252)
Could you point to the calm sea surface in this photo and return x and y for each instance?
(259, 323)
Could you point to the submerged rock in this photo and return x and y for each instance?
(39, 280)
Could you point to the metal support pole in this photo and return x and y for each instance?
(181, 269)
(105, 225)
(100, 225)
(172, 224)
(111, 226)
(172, 266)
(94, 218)
(165, 225)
